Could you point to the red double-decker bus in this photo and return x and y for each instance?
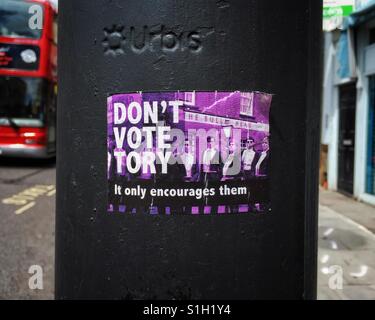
(28, 78)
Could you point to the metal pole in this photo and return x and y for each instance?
(117, 47)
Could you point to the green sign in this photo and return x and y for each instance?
(334, 12)
(341, 11)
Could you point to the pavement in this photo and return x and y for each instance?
(346, 258)
(346, 255)
(359, 212)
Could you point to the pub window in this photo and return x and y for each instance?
(189, 98)
(55, 29)
(247, 103)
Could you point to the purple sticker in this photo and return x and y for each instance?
(198, 153)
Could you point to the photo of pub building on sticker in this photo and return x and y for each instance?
(240, 123)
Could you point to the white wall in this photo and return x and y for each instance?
(333, 155)
(327, 107)
(330, 109)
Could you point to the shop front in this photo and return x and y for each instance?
(348, 123)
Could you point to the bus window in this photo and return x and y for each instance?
(55, 29)
(15, 18)
(22, 98)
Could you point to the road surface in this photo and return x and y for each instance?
(27, 212)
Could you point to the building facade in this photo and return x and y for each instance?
(348, 112)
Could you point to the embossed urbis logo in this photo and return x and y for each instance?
(118, 39)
